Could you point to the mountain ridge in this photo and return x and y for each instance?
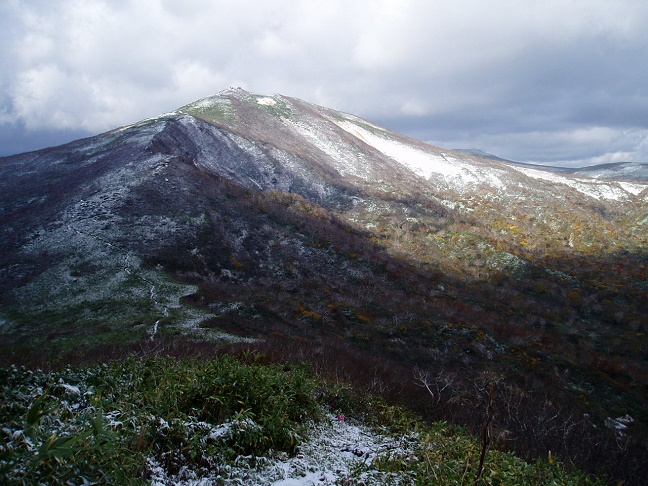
(623, 171)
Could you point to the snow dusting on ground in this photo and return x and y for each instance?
(336, 452)
(591, 187)
(342, 156)
(416, 160)
(633, 187)
(456, 173)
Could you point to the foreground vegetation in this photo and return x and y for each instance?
(114, 423)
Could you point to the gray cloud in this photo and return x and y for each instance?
(549, 82)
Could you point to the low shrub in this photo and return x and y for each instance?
(104, 422)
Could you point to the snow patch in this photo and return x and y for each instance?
(619, 424)
(208, 103)
(70, 390)
(334, 453)
(594, 188)
(344, 159)
(456, 173)
(266, 101)
(633, 188)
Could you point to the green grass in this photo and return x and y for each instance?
(279, 108)
(362, 124)
(211, 110)
(105, 423)
(102, 423)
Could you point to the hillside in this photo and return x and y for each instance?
(230, 421)
(269, 223)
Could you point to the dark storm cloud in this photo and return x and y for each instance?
(15, 139)
(553, 82)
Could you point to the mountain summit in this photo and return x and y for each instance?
(245, 217)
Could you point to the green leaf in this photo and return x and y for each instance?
(97, 424)
(35, 412)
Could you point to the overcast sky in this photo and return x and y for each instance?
(554, 82)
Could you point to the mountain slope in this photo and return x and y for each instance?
(243, 216)
(616, 171)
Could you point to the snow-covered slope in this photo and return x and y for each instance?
(631, 171)
(340, 141)
(594, 188)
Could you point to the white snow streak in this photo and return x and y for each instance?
(616, 191)
(456, 173)
(633, 188)
(418, 161)
(344, 159)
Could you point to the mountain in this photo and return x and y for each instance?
(617, 171)
(245, 218)
(484, 155)
(629, 171)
